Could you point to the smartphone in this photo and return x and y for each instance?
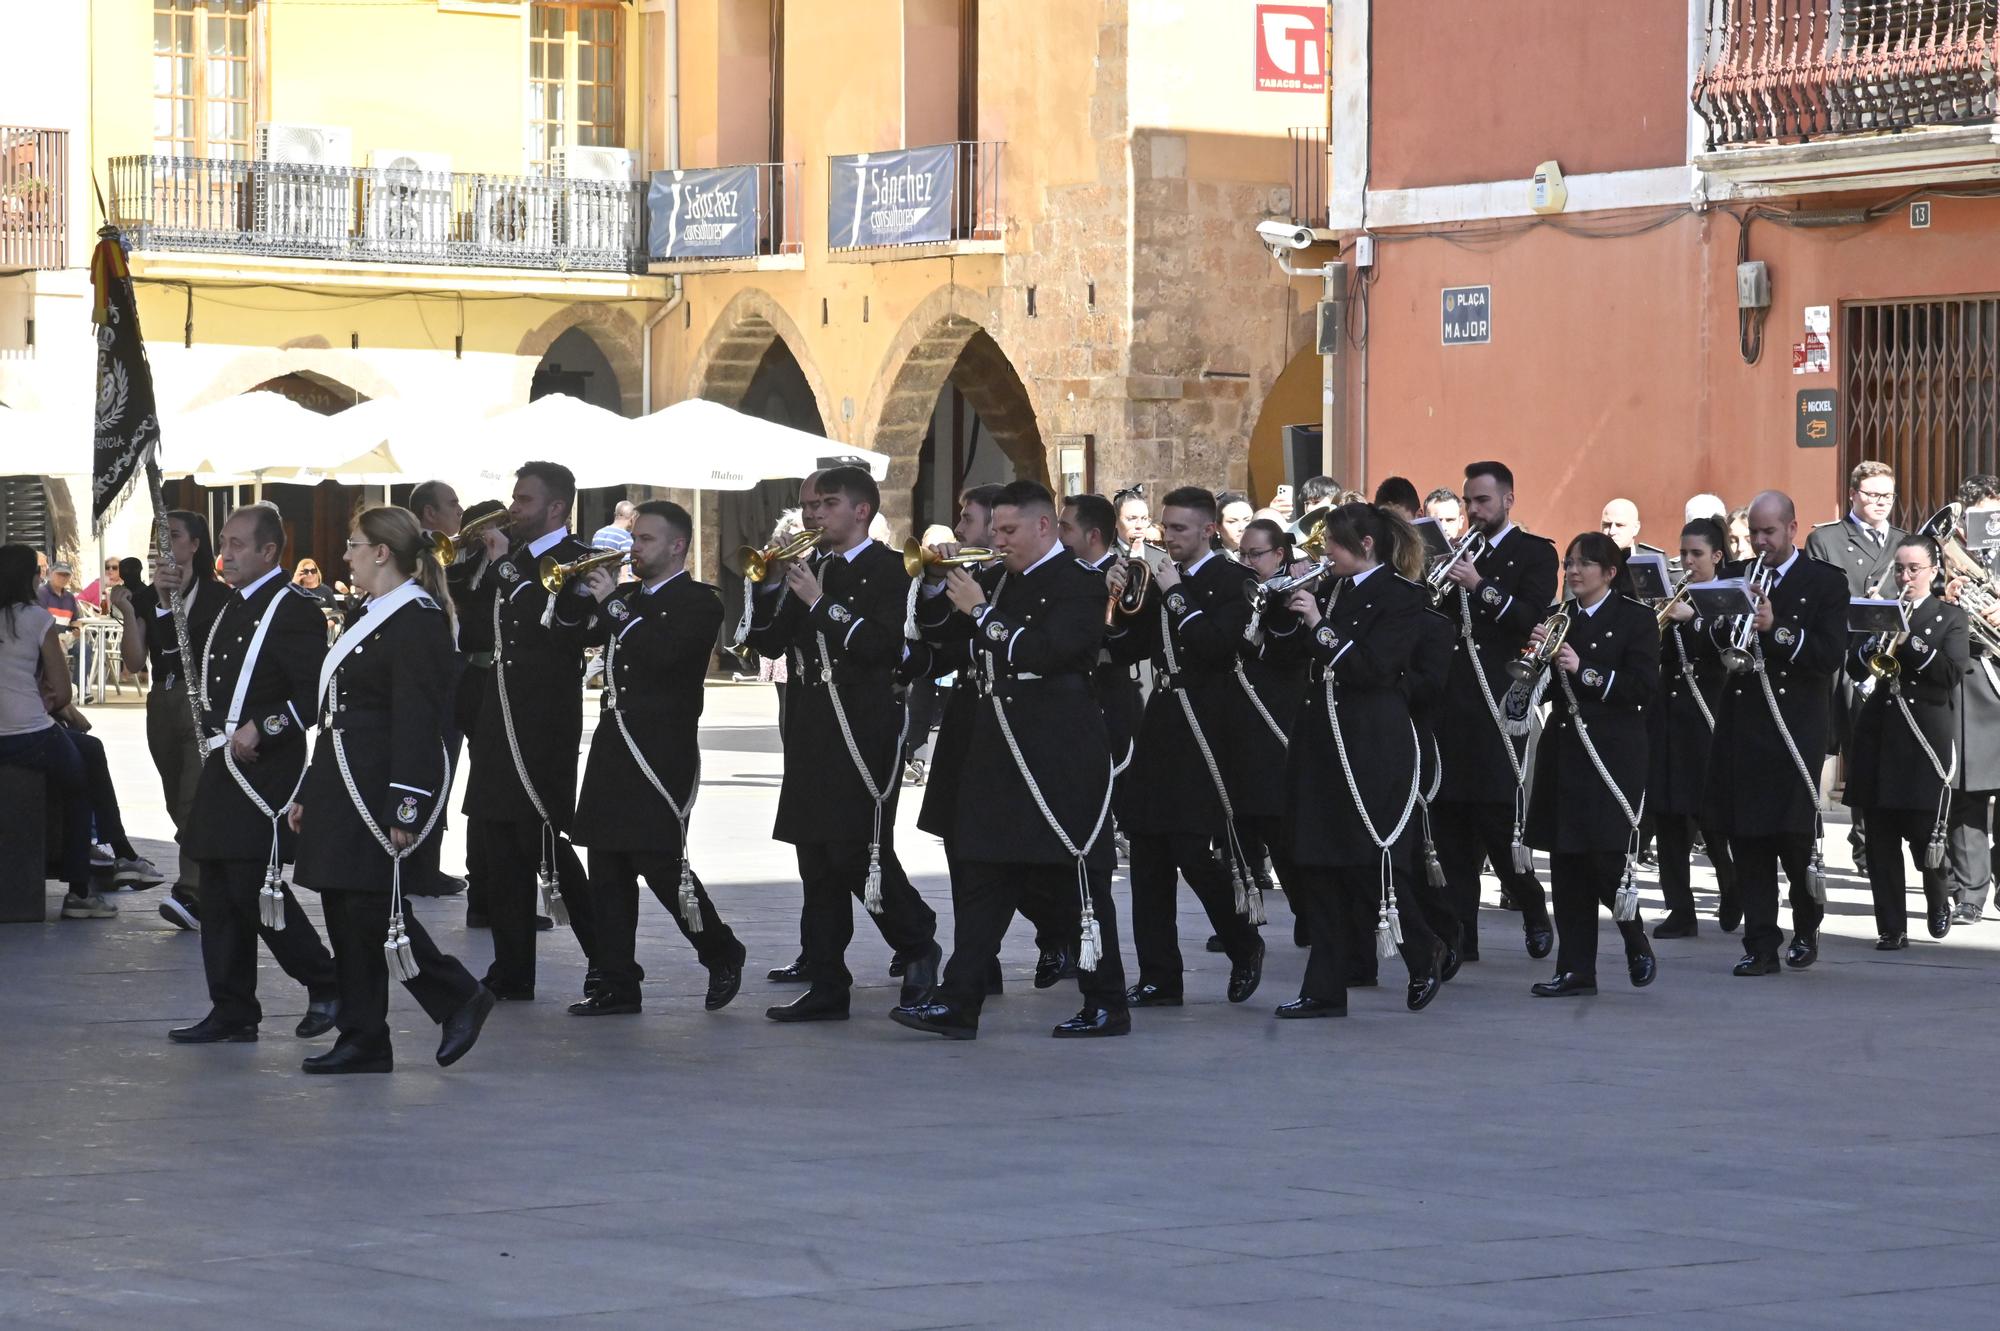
(1282, 497)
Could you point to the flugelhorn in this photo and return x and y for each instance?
(917, 557)
(449, 548)
(1530, 664)
(554, 576)
(756, 564)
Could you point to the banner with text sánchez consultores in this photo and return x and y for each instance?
(704, 214)
(892, 198)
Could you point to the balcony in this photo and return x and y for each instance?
(1802, 94)
(1309, 171)
(378, 215)
(34, 198)
(725, 219)
(913, 202)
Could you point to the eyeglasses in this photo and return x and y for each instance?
(1248, 553)
(1878, 494)
(1914, 570)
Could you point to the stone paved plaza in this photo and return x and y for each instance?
(1814, 1150)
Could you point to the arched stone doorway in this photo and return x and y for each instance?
(577, 366)
(1294, 399)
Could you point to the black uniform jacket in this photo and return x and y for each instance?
(544, 680)
(1754, 789)
(1849, 547)
(859, 617)
(1429, 676)
(942, 652)
(390, 704)
(1678, 735)
(1034, 649)
(1886, 767)
(1275, 670)
(1518, 583)
(284, 680)
(657, 645)
(1570, 810)
(1122, 700)
(1979, 724)
(163, 646)
(1206, 614)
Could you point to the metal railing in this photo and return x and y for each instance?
(34, 197)
(375, 214)
(1790, 71)
(975, 206)
(1309, 171)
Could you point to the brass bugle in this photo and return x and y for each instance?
(448, 549)
(1138, 578)
(917, 557)
(756, 564)
(554, 576)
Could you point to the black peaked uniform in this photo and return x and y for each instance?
(389, 707)
(474, 621)
(1426, 682)
(1864, 557)
(541, 668)
(1680, 729)
(229, 836)
(1271, 676)
(1363, 648)
(1969, 841)
(1033, 650)
(1472, 818)
(1122, 702)
(1572, 814)
(1755, 794)
(1177, 818)
(170, 728)
(657, 643)
(824, 808)
(1889, 776)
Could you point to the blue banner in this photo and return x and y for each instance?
(893, 198)
(706, 214)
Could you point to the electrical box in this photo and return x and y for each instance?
(1332, 326)
(1753, 286)
(1364, 251)
(1550, 194)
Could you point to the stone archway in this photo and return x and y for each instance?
(615, 333)
(738, 346)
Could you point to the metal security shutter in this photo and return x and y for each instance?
(24, 512)
(1921, 388)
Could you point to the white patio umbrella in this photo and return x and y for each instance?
(734, 450)
(601, 447)
(250, 439)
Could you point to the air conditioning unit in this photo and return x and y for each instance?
(600, 204)
(514, 221)
(408, 202)
(594, 164)
(303, 195)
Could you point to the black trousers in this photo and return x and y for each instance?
(1580, 884)
(1348, 901)
(835, 876)
(1158, 865)
(1053, 928)
(1757, 860)
(229, 934)
(1889, 830)
(1676, 836)
(511, 858)
(614, 890)
(1969, 847)
(894, 879)
(1465, 835)
(988, 895)
(358, 923)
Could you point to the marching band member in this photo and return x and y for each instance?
(658, 632)
(1477, 815)
(1969, 842)
(369, 817)
(1771, 736)
(439, 514)
(259, 666)
(1904, 753)
(842, 626)
(1032, 819)
(1681, 727)
(1088, 529)
(1272, 679)
(1590, 768)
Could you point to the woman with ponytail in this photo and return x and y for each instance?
(370, 813)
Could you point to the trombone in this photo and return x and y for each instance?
(917, 557)
(448, 549)
(1471, 546)
(1737, 656)
(1680, 594)
(756, 564)
(554, 576)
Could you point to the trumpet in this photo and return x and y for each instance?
(1880, 657)
(1529, 665)
(1138, 578)
(917, 557)
(1264, 594)
(449, 548)
(554, 576)
(1737, 656)
(1471, 546)
(1680, 595)
(756, 564)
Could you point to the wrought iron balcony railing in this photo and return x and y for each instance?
(1309, 172)
(34, 197)
(379, 215)
(1790, 71)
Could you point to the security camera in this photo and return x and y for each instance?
(1284, 235)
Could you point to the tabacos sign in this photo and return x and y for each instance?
(709, 214)
(892, 198)
(1291, 48)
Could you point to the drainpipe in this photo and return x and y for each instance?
(673, 67)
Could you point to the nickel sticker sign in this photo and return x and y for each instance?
(1816, 417)
(1468, 316)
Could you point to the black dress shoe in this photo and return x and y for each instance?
(440, 885)
(897, 965)
(723, 982)
(593, 981)
(1093, 1022)
(605, 1003)
(1803, 952)
(1150, 995)
(1940, 922)
(1755, 965)
(511, 993)
(214, 1030)
(1728, 916)
(937, 1018)
(320, 1015)
(1310, 1007)
(1449, 966)
(1244, 979)
(461, 1028)
(543, 924)
(1677, 926)
(1643, 968)
(1214, 944)
(1540, 943)
(476, 919)
(795, 973)
(1507, 901)
(350, 1058)
(920, 976)
(180, 909)
(1892, 942)
(1052, 967)
(812, 1005)
(1566, 984)
(1423, 990)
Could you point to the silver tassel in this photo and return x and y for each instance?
(1816, 877)
(1388, 933)
(1433, 867)
(1524, 859)
(402, 957)
(1239, 884)
(910, 610)
(749, 606)
(871, 896)
(1254, 903)
(271, 901)
(553, 904)
(1625, 906)
(1091, 951)
(549, 612)
(690, 903)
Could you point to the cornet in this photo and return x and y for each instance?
(1138, 577)
(756, 564)
(1528, 667)
(554, 576)
(1471, 546)
(917, 557)
(1737, 656)
(449, 548)
(1880, 658)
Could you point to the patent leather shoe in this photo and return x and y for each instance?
(1643, 967)
(320, 1015)
(723, 982)
(1214, 944)
(543, 924)
(511, 993)
(1449, 966)
(1147, 994)
(1803, 952)
(1756, 965)
(812, 1005)
(1052, 967)
(461, 1028)
(1566, 984)
(1892, 942)
(214, 1030)
(1094, 1022)
(605, 1003)
(1425, 987)
(345, 1057)
(1940, 922)
(920, 976)
(795, 973)
(1677, 926)
(937, 1018)
(1728, 915)
(1244, 979)
(1540, 943)
(1300, 1008)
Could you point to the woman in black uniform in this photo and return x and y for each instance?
(1601, 681)
(1680, 725)
(1353, 741)
(1271, 673)
(373, 800)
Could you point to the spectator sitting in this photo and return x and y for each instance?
(306, 577)
(56, 597)
(617, 533)
(94, 594)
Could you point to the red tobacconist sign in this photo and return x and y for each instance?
(1291, 48)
